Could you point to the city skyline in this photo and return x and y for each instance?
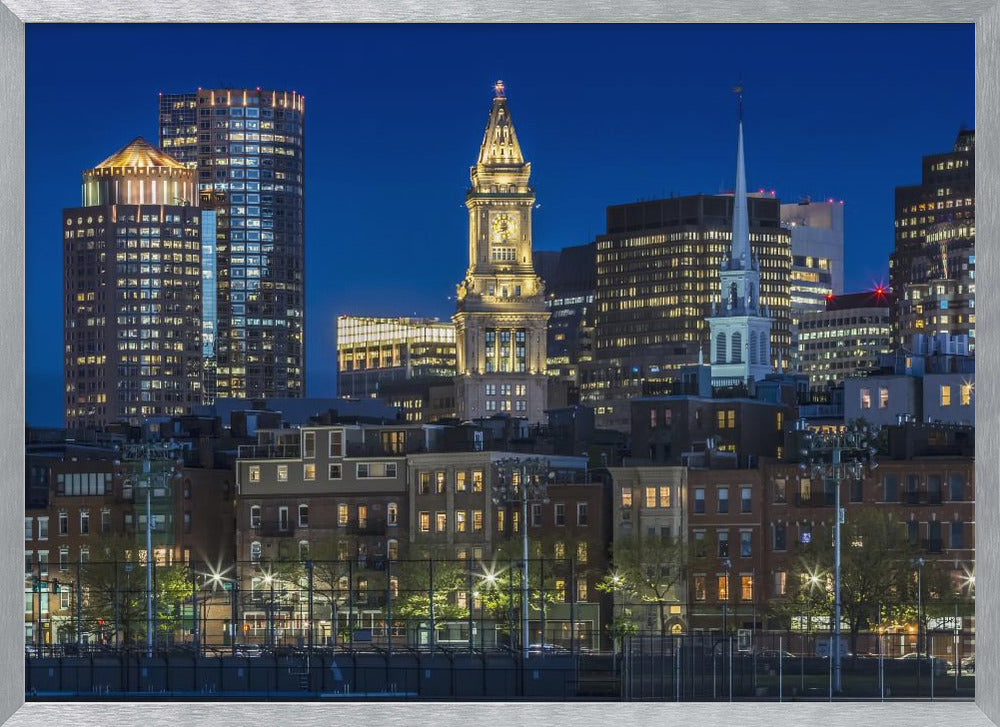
(795, 151)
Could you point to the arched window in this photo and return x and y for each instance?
(255, 516)
(736, 349)
(753, 347)
(764, 357)
(732, 296)
(720, 348)
(392, 514)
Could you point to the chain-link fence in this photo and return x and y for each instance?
(788, 666)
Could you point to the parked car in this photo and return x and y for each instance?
(941, 666)
(775, 654)
(249, 650)
(547, 649)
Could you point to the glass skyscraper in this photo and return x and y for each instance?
(247, 149)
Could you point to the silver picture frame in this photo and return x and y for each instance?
(986, 16)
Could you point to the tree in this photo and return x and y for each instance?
(430, 570)
(648, 568)
(876, 567)
(114, 589)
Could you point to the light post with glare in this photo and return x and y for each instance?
(520, 481)
(833, 457)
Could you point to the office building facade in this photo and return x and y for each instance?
(658, 279)
(500, 319)
(132, 291)
(569, 297)
(246, 147)
(946, 194)
(846, 339)
(373, 352)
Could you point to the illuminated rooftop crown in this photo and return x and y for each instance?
(139, 153)
(500, 144)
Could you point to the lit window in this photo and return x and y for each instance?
(255, 473)
(441, 521)
(700, 588)
(460, 521)
(627, 497)
(883, 397)
(966, 394)
(723, 587)
(665, 496)
(746, 587)
(650, 497)
(282, 473)
(945, 395)
(342, 515)
(477, 521)
(425, 521)
(866, 398)
(309, 472)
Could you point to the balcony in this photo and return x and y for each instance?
(269, 451)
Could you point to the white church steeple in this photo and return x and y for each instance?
(740, 326)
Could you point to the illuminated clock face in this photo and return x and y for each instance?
(504, 227)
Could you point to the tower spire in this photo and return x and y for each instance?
(740, 251)
(500, 145)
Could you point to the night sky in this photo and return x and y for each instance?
(395, 116)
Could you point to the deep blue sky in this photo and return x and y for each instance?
(395, 116)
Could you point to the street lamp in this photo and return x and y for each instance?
(833, 457)
(520, 481)
(727, 564)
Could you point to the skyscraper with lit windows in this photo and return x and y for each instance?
(132, 291)
(246, 147)
(658, 278)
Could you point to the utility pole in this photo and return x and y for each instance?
(518, 482)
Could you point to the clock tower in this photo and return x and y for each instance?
(500, 318)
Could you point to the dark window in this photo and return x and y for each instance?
(956, 484)
(913, 532)
(857, 490)
(957, 535)
(934, 489)
(779, 536)
(891, 487)
(723, 545)
(723, 499)
(699, 499)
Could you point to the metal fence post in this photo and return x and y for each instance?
(309, 566)
(79, 605)
(781, 671)
(730, 668)
(830, 662)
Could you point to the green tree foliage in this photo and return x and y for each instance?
(114, 591)
(877, 571)
(648, 569)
